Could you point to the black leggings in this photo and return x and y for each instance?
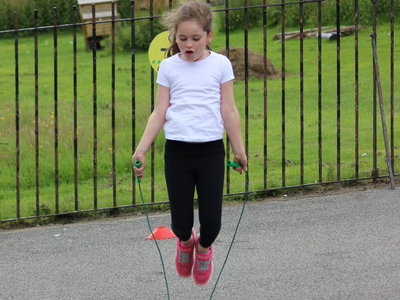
(201, 166)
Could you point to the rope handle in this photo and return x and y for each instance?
(231, 163)
(137, 164)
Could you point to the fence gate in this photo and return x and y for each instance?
(71, 113)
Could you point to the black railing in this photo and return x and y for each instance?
(266, 172)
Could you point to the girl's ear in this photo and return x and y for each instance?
(209, 37)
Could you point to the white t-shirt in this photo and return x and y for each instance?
(194, 114)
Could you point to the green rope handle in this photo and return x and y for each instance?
(231, 163)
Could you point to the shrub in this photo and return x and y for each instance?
(346, 12)
(292, 13)
(25, 10)
(236, 17)
(6, 16)
(142, 35)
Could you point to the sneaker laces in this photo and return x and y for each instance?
(203, 264)
(183, 257)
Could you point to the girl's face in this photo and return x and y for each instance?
(192, 40)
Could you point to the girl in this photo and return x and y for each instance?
(194, 104)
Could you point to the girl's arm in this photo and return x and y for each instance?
(231, 118)
(154, 124)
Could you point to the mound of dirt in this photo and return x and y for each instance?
(256, 64)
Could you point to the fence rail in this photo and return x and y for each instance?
(264, 173)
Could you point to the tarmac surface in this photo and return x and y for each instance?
(343, 246)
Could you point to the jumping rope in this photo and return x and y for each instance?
(230, 163)
(138, 164)
(246, 198)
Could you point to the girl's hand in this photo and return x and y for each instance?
(240, 159)
(139, 172)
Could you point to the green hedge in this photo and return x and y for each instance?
(236, 17)
(364, 8)
(142, 27)
(142, 35)
(25, 10)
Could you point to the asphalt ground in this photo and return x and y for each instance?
(343, 246)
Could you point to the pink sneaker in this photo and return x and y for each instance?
(184, 258)
(202, 265)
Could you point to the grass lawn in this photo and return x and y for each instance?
(143, 108)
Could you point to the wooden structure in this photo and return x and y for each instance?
(103, 13)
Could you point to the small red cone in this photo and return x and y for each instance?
(161, 233)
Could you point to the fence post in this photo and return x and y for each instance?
(17, 142)
(382, 110)
(375, 170)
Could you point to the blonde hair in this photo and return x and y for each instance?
(192, 10)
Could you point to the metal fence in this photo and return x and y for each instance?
(261, 164)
